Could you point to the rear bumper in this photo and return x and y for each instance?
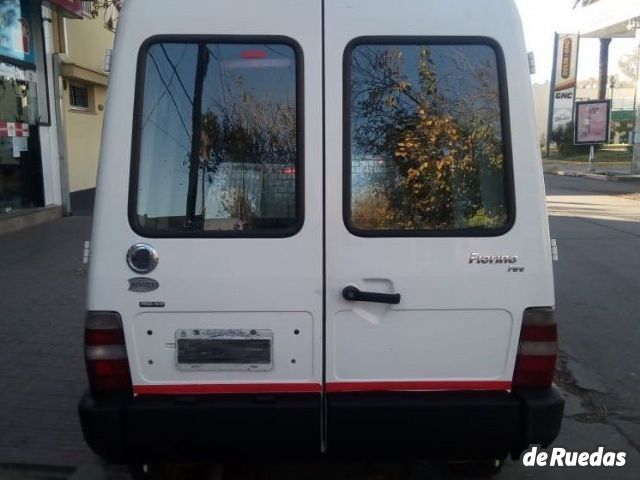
(444, 425)
(191, 428)
(437, 425)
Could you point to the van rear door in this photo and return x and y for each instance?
(430, 261)
(224, 186)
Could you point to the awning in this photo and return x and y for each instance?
(69, 8)
(74, 72)
(607, 19)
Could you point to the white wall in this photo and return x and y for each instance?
(541, 102)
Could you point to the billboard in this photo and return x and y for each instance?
(592, 122)
(565, 72)
(16, 35)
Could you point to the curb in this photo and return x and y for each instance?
(21, 219)
(595, 176)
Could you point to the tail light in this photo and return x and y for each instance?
(538, 349)
(106, 353)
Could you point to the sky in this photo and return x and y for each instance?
(542, 18)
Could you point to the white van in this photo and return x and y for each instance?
(320, 228)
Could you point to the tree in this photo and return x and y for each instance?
(244, 129)
(628, 65)
(435, 147)
(250, 131)
(110, 11)
(247, 131)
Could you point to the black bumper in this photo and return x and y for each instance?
(435, 425)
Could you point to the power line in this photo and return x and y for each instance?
(169, 135)
(153, 109)
(175, 70)
(175, 104)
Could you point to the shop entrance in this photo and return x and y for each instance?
(20, 165)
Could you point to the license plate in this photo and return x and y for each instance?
(224, 350)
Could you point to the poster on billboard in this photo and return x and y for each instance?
(592, 122)
(16, 35)
(565, 73)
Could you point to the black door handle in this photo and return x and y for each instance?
(354, 294)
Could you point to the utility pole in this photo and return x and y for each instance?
(635, 163)
(196, 135)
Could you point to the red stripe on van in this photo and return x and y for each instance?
(416, 386)
(197, 389)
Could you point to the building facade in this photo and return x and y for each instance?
(52, 89)
(27, 179)
(82, 46)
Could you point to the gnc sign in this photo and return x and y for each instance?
(564, 79)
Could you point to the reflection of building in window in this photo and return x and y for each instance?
(79, 96)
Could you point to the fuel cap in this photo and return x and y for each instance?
(142, 258)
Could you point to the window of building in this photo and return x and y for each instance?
(87, 8)
(427, 151)
(20, 163)
(79, 96)
(219, 141)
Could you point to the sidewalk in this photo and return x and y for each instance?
(42, 288)
(607, 171)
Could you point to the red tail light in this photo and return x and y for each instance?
(106, 354)
(538, 349)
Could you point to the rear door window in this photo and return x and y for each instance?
(426, 139)
(219, 139)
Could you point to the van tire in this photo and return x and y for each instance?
(157, 471)
(478, 469)
(146, 471)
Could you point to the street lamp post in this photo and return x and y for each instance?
(612, 85)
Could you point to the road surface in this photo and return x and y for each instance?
(597, 225)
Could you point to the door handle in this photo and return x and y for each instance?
(354, 294)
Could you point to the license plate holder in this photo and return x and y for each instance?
(224, 350)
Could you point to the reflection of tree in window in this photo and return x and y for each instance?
(233, 117)
(427, 151)
(251, 130)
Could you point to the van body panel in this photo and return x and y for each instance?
(422, 362)
(475, 334)
(161, 345)
(242, 283)
(402, 344)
